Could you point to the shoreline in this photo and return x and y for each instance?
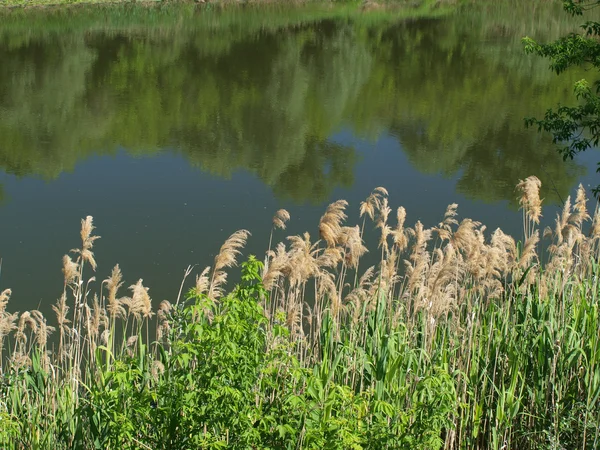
(366, 5)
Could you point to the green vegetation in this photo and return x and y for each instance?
(577, 128)
(455, 340)
(179, 79)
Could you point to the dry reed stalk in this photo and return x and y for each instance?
(186, 273)
(275, 266)
(293, 319)
(530, 203)
(139, 305)
(400, 235)
(442, 287)
(330, 225)
(61, 310)
(373, 203)
(226, 258)
(569, 240)
(529, 253)
(302, 263)
(595, 228)
(580, 213)
(87, 241)
(163, 326)
(280, 218)
(98, 320)
(418, 263)
(444, 228)
(279, 222)
(508, 248)
(7, 321)
(368, 208)
(73, 272)
(355, 248)
(330, 258)
(25, 321)
(358, 297)
(42, 331)
(113, 283)
(70, 270)
(202, 282)
(4, 298)
(384, 212)
(327, 289)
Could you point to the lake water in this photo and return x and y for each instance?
(176, 126)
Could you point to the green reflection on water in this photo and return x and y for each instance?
(265, 90)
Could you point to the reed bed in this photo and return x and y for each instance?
(456, 339)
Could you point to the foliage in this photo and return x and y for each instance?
(577, 128)
(219, 381)
(467, 343)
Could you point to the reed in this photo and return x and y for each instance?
(457, 338)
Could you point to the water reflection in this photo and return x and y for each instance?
(267, 100)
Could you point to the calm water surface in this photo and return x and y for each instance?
(174, 127)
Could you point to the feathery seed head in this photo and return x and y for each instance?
(231, 249)
(140, 300)
(275, 266)
(580, 213)
(87, 241)
(70, 269)
(330, 225)
(164, 309)
(354, 248)
(227, 257)
(530, 198)
(280, 218)
(595, 228)
(202, 281)
(373, 202)
(113, 283)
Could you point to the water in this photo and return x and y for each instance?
(176, 126)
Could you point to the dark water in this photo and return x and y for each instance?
(174, 127)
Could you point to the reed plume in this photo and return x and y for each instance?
(61, 310)
(595, 228)
(4, 298)
(530, 203)
(280, 218)
(140, 303)
(279, 221)
(202, 282)
(373, 202)
(113, 283)
(87, 241)
(382, 213)
(529, 253)
(7, 321)
(275, 266)
(444, 228)
(359, 296)
(400, 235)
(70, 270)
(163, 315)
(25, 321)
(226, 258)
(353, 245)
(302, 259)
(418, 263)
(330, 225)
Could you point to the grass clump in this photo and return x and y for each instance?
(453, 340)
